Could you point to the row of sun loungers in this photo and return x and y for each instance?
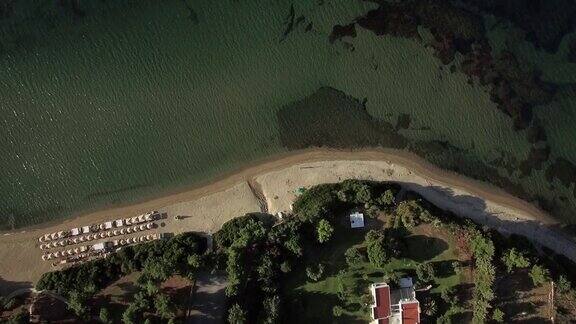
(97, 236)
(86, 251)
(130, 221)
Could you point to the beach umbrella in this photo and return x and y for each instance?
(128, 230)
(142, 238)
(60, 234)
(109, 234)
(123, 231)
(127, 221)
(53, 236)
(149, 225)
(61, 243)
(42, 246)
(102, 235)
(76, 250)
(57, 254)
(44, 257)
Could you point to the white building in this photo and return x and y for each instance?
(357, 220)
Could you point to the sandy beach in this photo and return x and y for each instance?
(271, 185)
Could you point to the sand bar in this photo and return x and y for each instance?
(207, 207)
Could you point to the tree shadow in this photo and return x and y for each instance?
(422, 248)
(8, 287)
(443, 201)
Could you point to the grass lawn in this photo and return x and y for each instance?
(347, 286)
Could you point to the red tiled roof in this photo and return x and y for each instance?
(382, 308)
(411, 312)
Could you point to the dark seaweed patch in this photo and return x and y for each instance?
(330, 118)
(340, 31)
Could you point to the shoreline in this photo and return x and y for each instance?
(207, 206)
(227, 179)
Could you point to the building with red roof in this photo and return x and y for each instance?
(398, 306)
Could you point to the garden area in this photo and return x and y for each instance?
(312, 265)
(342, 293)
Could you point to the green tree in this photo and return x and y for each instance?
(130, 315)
(353, 256)
(375, 248)
(337, 311)
(513, 259)
(271, 309)
(498, 315)
(164, 307)
(77, 303)
(324, 231)
(236, 315)
(387, 199)
(315, 202)
(539, 275)
(104, 315)
(21, 317)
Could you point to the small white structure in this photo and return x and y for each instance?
(108, 225)
(357, 220)
(98, 246)
(85, 229)
(118, 223)
(75, 231)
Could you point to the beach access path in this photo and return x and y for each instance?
(205, 208)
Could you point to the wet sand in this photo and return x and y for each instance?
(207, 207)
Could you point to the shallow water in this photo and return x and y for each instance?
(139, 97)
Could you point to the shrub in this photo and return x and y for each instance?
(539, 275)
(425, 272)
(324, 231)
(498, 315)
(563, 284)
(285, 267)
(513, 259)
(337, 311)
(430, 307)
(315, 274)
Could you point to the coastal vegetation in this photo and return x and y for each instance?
(276, 270)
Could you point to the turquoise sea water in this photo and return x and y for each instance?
(136, 98)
